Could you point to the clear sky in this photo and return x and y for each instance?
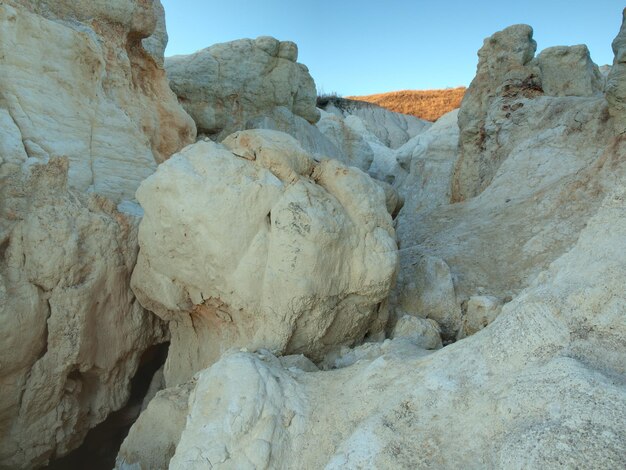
(360, 47)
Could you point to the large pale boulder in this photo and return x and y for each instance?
(504, 72)
(569, 71)
(73, 332)
(111, 112)
(254, 244)
(225, 85)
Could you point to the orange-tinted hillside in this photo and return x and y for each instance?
(425, 104)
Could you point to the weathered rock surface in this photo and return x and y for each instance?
(153, 438)
(616, 80)
(544, 192)
(428, 160)
(225, 85)
(254, 244)
(569, 71)
(391, 129)
(354, 148)
(156, 43)
(308, 135)
(504, 72)
(542, 386)
(75, 83)
(73, 333)
(481, 310)
(111, 112)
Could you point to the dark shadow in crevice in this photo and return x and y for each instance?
(100, 447)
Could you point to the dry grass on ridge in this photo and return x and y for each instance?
(425, 104)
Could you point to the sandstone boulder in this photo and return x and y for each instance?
(428, 161)
(308, 135)
(481, 310)
(225, 85)
(254, 244)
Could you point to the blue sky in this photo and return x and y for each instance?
(361, 47)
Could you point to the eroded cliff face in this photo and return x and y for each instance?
(86, 114)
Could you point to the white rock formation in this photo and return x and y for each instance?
(532, 266)
(427, 291)
(73, 331)
(391, 129)
(308, 135)
(419, 331)
(354, 148)
(74, 83)
(540, 387)
(111, 112)
(540, 198)
(152, 440)
(254, 244)
(225, 85)
(156, 43)
(428, 161)
(481, 310)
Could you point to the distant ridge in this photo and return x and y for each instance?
(424, 104)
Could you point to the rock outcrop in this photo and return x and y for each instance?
(73, 331)
(308, 135)
(85, 115)
(504, 72)
(541, 387)
(616, 80)
(254, 244)
(569, 71)
(111, 112)
(391, 129)
(225, 85)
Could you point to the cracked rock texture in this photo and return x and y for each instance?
(301, 253)
(224, 86)
(73, 330)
